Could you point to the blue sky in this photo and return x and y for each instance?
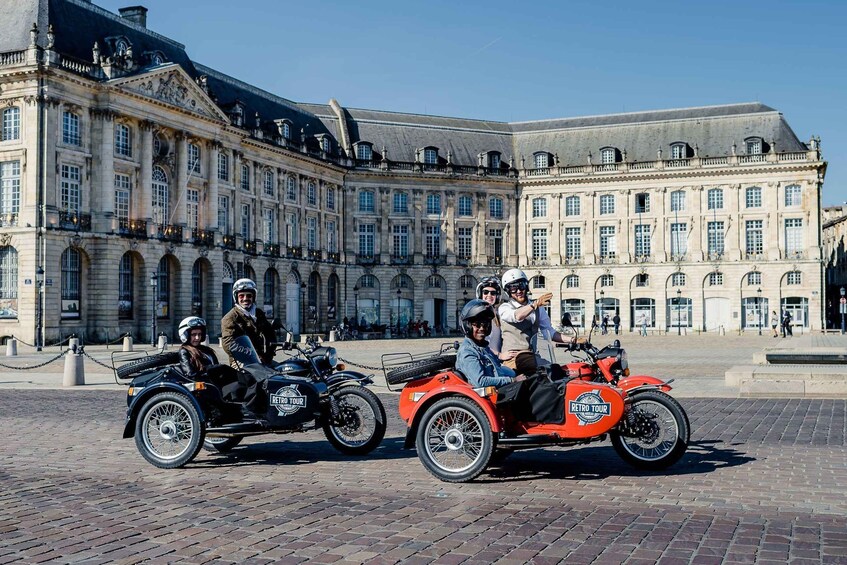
(512, 61)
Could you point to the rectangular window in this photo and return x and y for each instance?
(754, 278)
(292, 230)
(366, 239)
(433, 241)
(11, 123)
(753, 197)
(495, 237)
(494, 160)
(607, 156)
(715, 279)
(312, 232)
(245, 221)
(430, 156)
(70, 129)
(330, 198)
(495, 208)
(192, 204)
(401, 203)
(793, 235)
(401, 241)
(793, 278)
(223, 214)
(193, 158)
(245, 177)
(715, 199)
(10, 189)
(715, 233)
(223, 166)
(269, 183)
(433, 204)
(269, 225)
(572, 207)
(541, 160)
(70, 189)
(608, 242)
(465, 206)
(363, 152)
(754, 147)
(122, 193)
(753, 231)
(291, 189)
(678, 201)
(573, 243)
(331, 239)
(123, 141)
(678, 151)
(539, 207)
(607, 204)
(312, 194)
(793, 195)
(465, 240)
(642, 203)
(642, 240)
(539, 243)
(679, 240)
(366, 201)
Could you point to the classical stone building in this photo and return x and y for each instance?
(137, 184)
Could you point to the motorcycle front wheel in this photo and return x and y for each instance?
(168, 431)
(360, 423)
(660, 433)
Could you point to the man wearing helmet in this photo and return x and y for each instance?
(521, 319)
(474, 359)
(194, 357)
(246, 319)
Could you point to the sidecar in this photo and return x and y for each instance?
(458, 429)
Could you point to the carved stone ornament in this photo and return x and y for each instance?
(170, 249)
(204, 252)
(133, 245)
(75, 241)
(5, 239)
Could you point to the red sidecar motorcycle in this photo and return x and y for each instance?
(457, 429)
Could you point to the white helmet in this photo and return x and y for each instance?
(243, 285)
(188, 324)
(514, 277)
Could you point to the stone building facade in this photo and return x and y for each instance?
(137, 185)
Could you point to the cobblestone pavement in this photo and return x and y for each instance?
(764, 481)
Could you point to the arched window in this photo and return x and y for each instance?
(161, 196)
(71, 283)
(332, 298)
(572, 281)
(608, 155)
(126, 273)
(197, 289)
(8, 282)
(467, 281)
(539, 281)
(313, 291)
(11, 124)
(607, 280)
(269, 290)
(434, 281)
(678, 279)
(367, 281)
(163, 294)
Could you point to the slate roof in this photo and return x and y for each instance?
(713, 129)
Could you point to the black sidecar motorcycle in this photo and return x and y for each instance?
(172, 416)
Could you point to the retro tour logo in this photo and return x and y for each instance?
(589, 407)
(288, 400)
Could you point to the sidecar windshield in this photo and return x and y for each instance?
(243, 351)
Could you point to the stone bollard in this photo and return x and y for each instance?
(332, 335)
(163, 341)
(74, 369)
(11, 347)
(73, 343)
(127, 343)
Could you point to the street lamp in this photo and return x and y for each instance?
(39, 281)
(302, 327)
(154, 287)
(842, 308)
(398, 311)
(759, 307)
(678, 312)
(356, 305)
(600, 307)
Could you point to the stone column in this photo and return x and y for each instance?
(480, 248)
(178, 212)
(102, 197)
(235, 205)
(524, 229)
(144, 198)
(416, 239)
(556, 230)
(734, 225)
(385, 230)
(450, 227)
(211, 207)
(696, 238)
(625, 250)
(348, 240)
(660, 253)
(589, 229)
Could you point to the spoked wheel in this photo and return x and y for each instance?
(360, 423)
(656, 434)
(454, 440)
(221, 444)
(169, 432)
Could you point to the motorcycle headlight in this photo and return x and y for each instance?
(623, 361)
(331, 357)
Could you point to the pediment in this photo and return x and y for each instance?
(171, 85)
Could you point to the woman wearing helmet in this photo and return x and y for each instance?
(194, 357)
(246, 319)
(474, 359)
(521, 319)
(489, 290)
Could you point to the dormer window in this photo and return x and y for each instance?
(754, 145)
(121, 47)
(236, 114)
(541, 160)
(493, 160)
(679, 151)
(608, 155)
(326, 144)
(364, 152)
(157, 58)
(431, 156)
(284, 128)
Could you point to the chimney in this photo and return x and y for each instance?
(135, 14)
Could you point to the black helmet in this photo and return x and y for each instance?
(475, 309)
(488, 282)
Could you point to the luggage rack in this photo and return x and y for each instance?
(400, 368)
(127, 365)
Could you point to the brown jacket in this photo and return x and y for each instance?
(236, 323)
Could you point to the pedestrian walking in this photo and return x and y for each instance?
(644, 326)
(774, 322)
(605, 326)
(616, 320)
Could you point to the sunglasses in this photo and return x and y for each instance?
(486, 291)
(518, 286)
(481, 324)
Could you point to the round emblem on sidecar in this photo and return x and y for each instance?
(288, 400)
(589, 407)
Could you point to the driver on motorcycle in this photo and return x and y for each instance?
(194, 357)
(246, 319)
(474, 359)
(520, 321)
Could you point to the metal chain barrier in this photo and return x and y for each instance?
(359, 365)
(46, 344)
(84, 352)
(57, 357)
